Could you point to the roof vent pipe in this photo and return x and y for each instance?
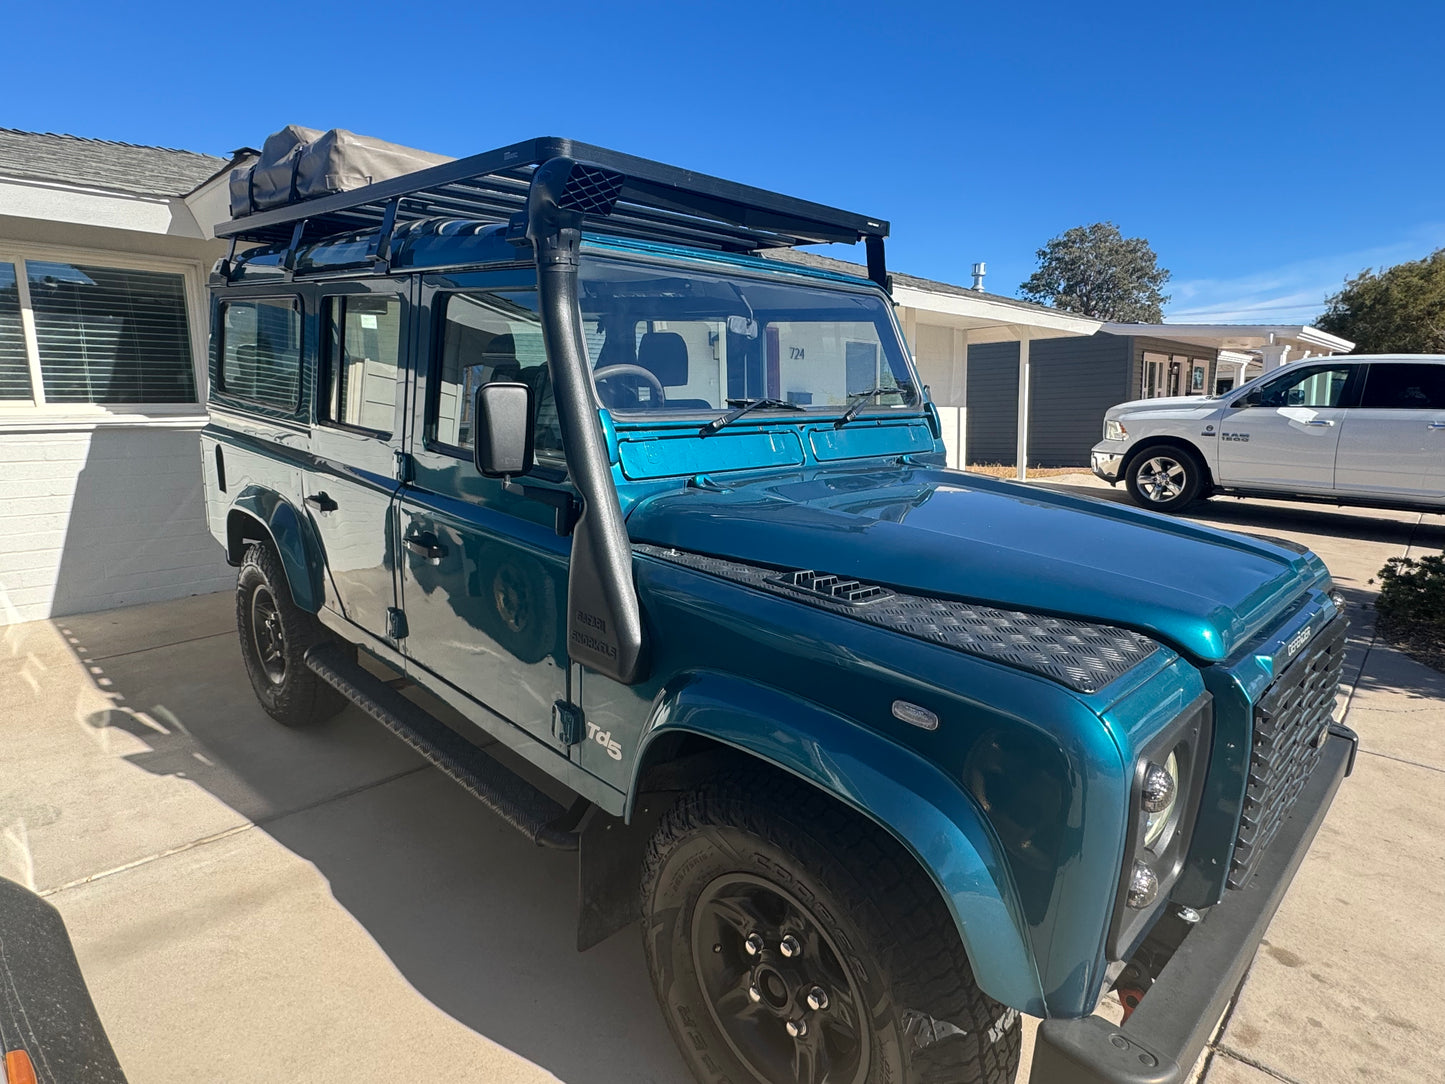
(979, 270)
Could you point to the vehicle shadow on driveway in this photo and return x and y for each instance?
(477, 920)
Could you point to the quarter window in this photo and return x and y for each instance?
(261, 351)
(490, 337)
(1392, 386)
(363, 350)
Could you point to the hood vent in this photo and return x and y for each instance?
(833, 588)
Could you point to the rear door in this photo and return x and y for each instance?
(1393, 443)
(484, 570)
(1283, 433)
(352, 482)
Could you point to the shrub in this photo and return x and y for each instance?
(1411, 606)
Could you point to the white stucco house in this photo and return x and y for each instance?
(104, 252)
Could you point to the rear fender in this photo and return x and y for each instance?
(903, 794)
(272, 517)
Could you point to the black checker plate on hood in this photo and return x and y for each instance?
(1078, 654)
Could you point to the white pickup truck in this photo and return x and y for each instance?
(1367, 430)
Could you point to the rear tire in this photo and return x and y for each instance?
(275, 634)
(893, 998)
(1164, 478)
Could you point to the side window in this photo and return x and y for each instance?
(1310, 387)
(1405, 387)
(490, 337)
(261, 351)
(363, 345)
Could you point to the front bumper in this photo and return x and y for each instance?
(1106, 463)
(1163, 1038)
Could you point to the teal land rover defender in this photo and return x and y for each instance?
(880, 755)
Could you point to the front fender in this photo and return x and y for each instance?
(912, 800)
(295, 540)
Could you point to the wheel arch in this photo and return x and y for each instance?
(263, 515)
(909, 799)
(1169, 441)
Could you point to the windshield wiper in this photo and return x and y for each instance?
(873, 392)
(745, 405)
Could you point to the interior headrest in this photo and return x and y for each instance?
(664, 354)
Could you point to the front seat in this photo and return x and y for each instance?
(664, 355)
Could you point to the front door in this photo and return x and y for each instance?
(1283, 433)
(484, 569)
(352, 479)
(1393, 443)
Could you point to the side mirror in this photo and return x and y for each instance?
(502, 430)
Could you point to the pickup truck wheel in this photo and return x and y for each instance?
(275, 634)
(1164, 478)
(789, 941)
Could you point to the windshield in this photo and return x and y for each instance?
(667, 338)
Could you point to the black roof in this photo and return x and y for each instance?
(103, 163)
(617, 194)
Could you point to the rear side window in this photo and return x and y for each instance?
(363, 347)
(1405, 387)
(261, 351)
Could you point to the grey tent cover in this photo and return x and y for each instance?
(302, 163)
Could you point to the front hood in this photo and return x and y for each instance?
(956, 535)
(1166, 402)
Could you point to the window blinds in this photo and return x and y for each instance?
(14, 365)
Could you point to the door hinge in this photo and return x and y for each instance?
(569, 722)
(395, 624)
(405, 472)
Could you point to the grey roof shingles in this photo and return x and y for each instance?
(101, 163)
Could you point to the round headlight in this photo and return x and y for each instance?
(1159, 797)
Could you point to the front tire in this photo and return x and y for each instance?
(275, 634)
(1164, 478)
(789, 940)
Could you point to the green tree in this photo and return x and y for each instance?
(1399, 310)
(1098, 272)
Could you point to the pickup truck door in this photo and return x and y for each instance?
(484, 569)
(1393, 443)
(1283, 433)
(351, 481)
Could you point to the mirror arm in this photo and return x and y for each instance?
(562, 502)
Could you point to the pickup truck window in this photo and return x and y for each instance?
(671, 338)
(1405, 387)
(363, 339)
(261, 351)
(490, 337)
(1307, 388)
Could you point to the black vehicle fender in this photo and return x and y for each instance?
(263, 515)
(925, 811)
(1172, 442)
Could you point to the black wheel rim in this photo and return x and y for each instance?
(778, 989)
(268, 635)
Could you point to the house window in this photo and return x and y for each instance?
(111, 335)
(14, 360)
(261, 351)
(91, 333)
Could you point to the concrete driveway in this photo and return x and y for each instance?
(250, 902)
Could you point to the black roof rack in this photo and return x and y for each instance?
(628, 196)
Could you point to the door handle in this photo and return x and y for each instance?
(425, 545)
(322, 503)
(1320, 421)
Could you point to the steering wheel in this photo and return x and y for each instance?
(607, 372)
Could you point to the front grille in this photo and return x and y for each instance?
(1291, 724)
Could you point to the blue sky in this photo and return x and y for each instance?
(1266, 150)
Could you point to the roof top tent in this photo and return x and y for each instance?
(547, 190)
